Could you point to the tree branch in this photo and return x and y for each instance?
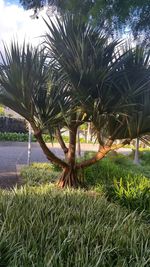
(101, 154)
(49, 154)
(61, 141)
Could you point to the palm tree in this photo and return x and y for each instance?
(81, 76)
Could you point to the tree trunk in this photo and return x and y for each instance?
(69, 178)
(69, 175)
(48, 153)
(61, 142)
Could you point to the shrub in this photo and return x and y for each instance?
(145, 157)
(18, 137)
(121, 180)
(23, 137)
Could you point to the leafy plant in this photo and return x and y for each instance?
(122, 181)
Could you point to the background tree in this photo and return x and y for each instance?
(79, 77)
(116, 15)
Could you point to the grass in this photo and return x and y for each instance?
(42, 226)
(116, 177)
(39, 173)
(105, 226)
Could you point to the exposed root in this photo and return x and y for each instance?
(69, 179)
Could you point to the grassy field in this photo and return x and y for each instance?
(104, 226)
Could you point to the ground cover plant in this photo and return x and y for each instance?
(43, 226)
(40, 173)
(116, 177)
(122, 181)
(95, 80)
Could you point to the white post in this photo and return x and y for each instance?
(136, 155)
(29, 143)
(89, 132)
(78, 143)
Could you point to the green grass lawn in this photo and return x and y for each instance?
(104, 226)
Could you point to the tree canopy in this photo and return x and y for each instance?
(118, 14)
(79, 76)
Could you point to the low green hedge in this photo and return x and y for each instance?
(23, 137)
(18, 137)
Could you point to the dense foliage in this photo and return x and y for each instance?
(94, 80)
(122, 181)
(115, 15)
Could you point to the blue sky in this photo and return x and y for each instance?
(12, 1)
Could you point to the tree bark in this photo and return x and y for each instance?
(69, 175)
(48, 153)
(61, 142)
(69, 178)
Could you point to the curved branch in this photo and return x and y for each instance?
(49, 154)
(61, 141)
(100, 154)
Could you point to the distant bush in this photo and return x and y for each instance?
(23, 137)
(19, 137)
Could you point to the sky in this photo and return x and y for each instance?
(15, 23)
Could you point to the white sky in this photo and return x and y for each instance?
(15, 23)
